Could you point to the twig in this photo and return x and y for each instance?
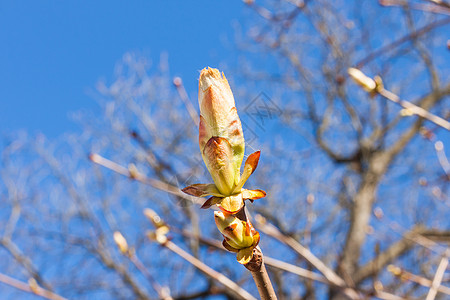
(163, 292)
(396, 43)
(414, 109)
(258, 269)
(405, 275)
(275, 263)
(272, 262)
(329, 274)
(31, 287)
(439, 147)
(375, 86)
(272, 231)
(232, 286)
(259, 273)
(435, 6)
(387, 296)
(23, 260)
(178, 82)
(133, 173)
(437, 278)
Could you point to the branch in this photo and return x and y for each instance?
(134, 174)
(122, 272)
(178, 83)
(329, 274)
(232, 286)
(272, 262)
(23, 260)
(130, 253)
(258, 269)
(32, 287)
(414, 109)
(408, 37)
(159, 235)
(405, 275)
(396, 250)
(438, 278)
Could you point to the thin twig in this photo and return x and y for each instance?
(405, 275)
(232, 286)
(287, 267)
(414, 109)
(439, 147)
(387, 296)
(329, 274)
(163, 292)
(272, 231)
(396, 43)
(437, 278)
(132, 173)
(31, 287)
(272, 262)
(178, 82)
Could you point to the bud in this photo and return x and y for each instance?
(222, 146)
(378, 285)
(360, 78)
(121, 242)
(233, 230)
(239, 236)
(221, 138)
(406, 112)
(153, 217)
(394, 270)
(160, 234)
(34, 286)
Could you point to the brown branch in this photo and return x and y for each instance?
(257, 268)
(259, 273)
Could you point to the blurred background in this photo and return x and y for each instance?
(95, 93)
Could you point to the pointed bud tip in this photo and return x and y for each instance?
(364, 81)
(121, 242)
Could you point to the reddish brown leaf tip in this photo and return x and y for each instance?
(207, 204)
(192, 190)
(253, 160)
(228, 247)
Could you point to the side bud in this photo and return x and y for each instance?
(239, 236)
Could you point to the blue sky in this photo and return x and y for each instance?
(53, 52)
